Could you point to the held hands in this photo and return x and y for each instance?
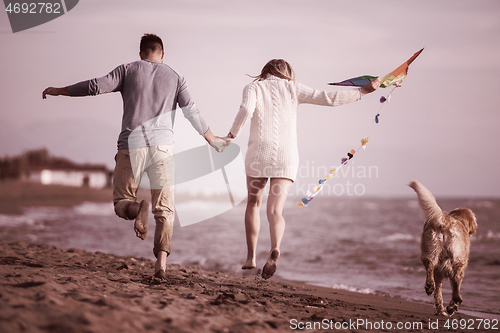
(370, 86)
(229, 137)
(218, 143)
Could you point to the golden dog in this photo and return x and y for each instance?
(445, 247)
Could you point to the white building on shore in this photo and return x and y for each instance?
(79, 178)
(67, 173)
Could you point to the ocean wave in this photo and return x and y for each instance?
(353, 289)
(210, 264)
(397, 237)
(196, 262)
(481, 204)
(95, 208)
(418, 269)
(413, 204)
(490, 236)
(16, 220)
(371, 205)
(199, 204)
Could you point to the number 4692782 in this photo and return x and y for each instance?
(34, 8)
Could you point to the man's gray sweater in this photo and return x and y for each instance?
(151, 92)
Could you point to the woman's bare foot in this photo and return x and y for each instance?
(249, 264)
(271, 264)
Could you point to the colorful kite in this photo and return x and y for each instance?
(394, 77)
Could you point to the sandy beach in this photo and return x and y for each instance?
(44, 288)
(48, 289)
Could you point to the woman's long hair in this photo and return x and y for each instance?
(277, 67)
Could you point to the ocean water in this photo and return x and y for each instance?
(368, 245)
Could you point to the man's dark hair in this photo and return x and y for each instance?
(151, 43)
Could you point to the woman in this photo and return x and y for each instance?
(271, 103)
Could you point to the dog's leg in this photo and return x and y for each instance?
(438, 295)
(456, 298)
(429, 281)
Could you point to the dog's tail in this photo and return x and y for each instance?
(427, 202)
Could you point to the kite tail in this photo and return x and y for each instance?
(321, 183)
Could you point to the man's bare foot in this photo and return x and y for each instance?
(141, 221)
(161, 265)
(161, 274)
(271, 264)
(249, 264)
(133, 210)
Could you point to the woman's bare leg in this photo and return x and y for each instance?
(278, 192)
(255, 187)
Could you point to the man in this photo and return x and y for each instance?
(151, 92)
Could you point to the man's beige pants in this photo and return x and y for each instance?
(158, 163)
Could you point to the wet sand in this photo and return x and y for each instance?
(44, 288)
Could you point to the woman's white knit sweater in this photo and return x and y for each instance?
(272, 106)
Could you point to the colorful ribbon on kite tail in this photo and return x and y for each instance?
(393, 78)
(322, 182)
(311, 194)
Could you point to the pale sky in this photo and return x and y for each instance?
(440, 127)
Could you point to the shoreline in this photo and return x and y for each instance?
(46, 288)
(15, 195)
(378, 293)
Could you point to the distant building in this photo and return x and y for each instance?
(38, 166)
(82, 176)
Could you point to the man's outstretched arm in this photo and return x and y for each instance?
(108, 83)
(55, 92)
